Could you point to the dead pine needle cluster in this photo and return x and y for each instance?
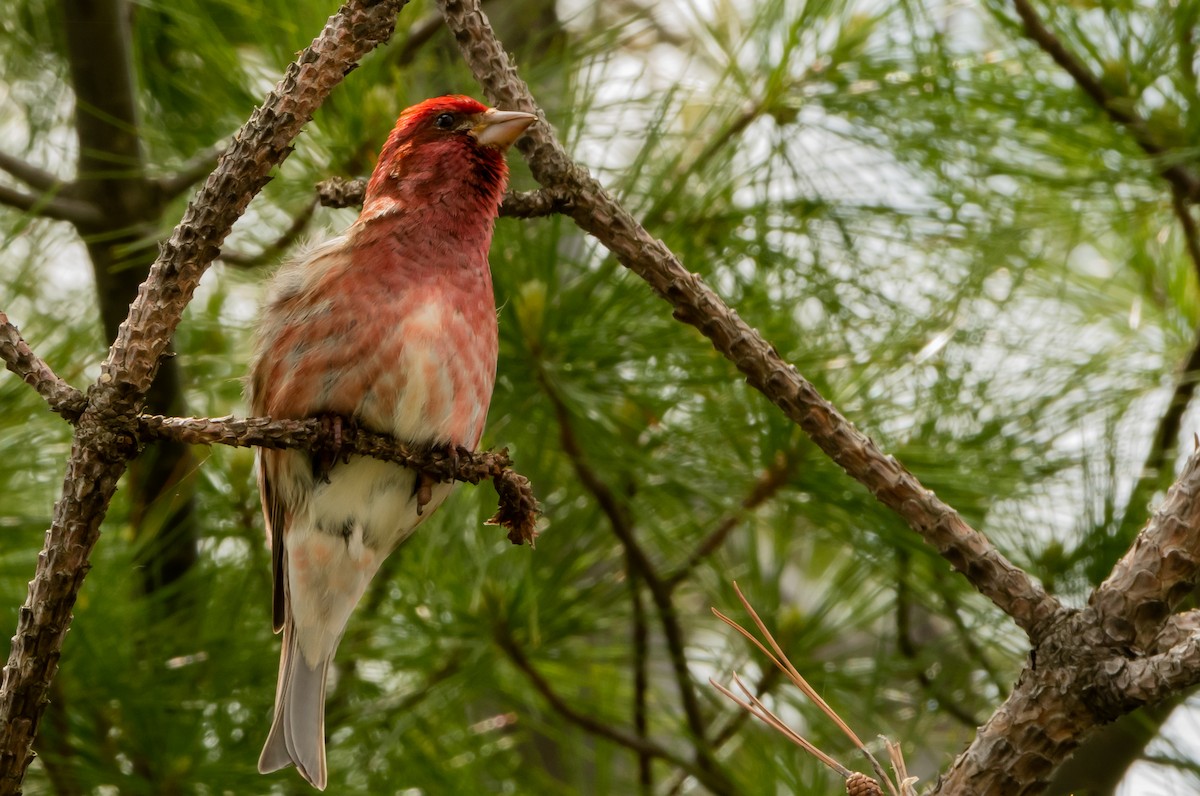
(857, 784)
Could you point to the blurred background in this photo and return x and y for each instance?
(913, 203)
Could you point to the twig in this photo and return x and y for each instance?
(596, 727)
(47, 205)
(1180, 178)
(195, 169)
(788, 669)
(342, 192)
(273, 249)
(969, 551)
(33, 370)
(518, 510)
(767, 485)
(856, 783)
(725, 733)
(618, 518)
(641, 683)
(28, 173)
(755, 707)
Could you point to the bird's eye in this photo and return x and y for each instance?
(444, 121)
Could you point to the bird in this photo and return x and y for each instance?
(392, 326)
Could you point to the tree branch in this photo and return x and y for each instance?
(1180, 178)
(18, 357)
(342, 192)
(767, 486)
(276, 247)
(518, 509)
(641, 683)
(593, 725)
(26, 172)
(195, 169)
(59, 208)
(618, 518)
(105, 437)
(1160, 569)
(695, 303)
(1134, 682)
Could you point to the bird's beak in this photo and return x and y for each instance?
(501, 128)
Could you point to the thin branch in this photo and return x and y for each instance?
(18, 357)
(31, 175)
(641, 682)
(60, 208)
(767, 486)
(969, 551)
(907, 646)
(593, 725)
(342, 192)
(337, 192)
(618, 517)
(195, 169)
(1180, 178)
(419, 34)
(518, 509)
(539, 203)
(272, 250)
(735, 721)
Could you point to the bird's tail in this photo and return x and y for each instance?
(298, 731)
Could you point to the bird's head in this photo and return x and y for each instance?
(447, 150)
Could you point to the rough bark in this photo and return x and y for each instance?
(112, 178)
(1087, 667)
(105, 435)
(695, 303)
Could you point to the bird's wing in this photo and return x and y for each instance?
(276, 518)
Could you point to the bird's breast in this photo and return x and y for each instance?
(407, 351)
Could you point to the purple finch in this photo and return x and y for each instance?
(392, 326)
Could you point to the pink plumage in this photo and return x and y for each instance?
(392, 325)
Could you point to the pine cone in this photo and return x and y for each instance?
(861, 785)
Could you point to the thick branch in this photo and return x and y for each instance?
(1159, 570)
(33, 370)
(1179, 177)
(695, 303)
(59, 208)
(105, 438)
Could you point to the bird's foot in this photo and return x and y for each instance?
(327, 456)
(424, 491)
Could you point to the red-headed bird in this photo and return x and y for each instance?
(392, 325)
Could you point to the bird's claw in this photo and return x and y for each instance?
(424, 492)
(325, 458)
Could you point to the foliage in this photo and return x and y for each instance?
(909, 201)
